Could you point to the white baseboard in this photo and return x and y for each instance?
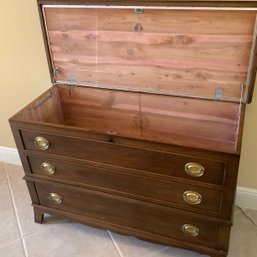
(9, 155)
(245, 197)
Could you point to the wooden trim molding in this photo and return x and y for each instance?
(189, 3)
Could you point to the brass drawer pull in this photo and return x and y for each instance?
(194, 169)
(55, 198)
(190, 230)
(48, 168)
(192, 197)
(42, 143)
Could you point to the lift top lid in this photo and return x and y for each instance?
(189, 51)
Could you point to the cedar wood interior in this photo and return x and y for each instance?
(144, 61)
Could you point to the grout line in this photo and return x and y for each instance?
(24, 246)
(9, 243)
(158, 253)
(120, 253)
(241, 208)
(42, 229)
(115, 243)
(245, 214)
(16, 213)
(35, 232)
(237, 211)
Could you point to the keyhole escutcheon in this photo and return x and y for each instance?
(139, 28)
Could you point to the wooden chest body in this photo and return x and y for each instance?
(141, 132)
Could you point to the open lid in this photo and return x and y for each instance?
(195, 52)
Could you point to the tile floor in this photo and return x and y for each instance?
(21, 237)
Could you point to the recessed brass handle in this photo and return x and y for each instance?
(42, 143)
(194, 169)
(48, 168)
(55, 198)
(192, 197)
(190, 230)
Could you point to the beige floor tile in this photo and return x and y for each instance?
(70, 240)
(9, 230)
(15, 173)
(14, 249)
(252, 214)
(176, 252)
(133, 247)
(23, 202)
(243, 242)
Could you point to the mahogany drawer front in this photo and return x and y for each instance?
(143, 216)
(158, 162)
(134, 186)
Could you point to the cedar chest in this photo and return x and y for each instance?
(141, 131)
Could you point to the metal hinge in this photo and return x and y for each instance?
(139, 10)
(72, 79)
(219, 91)
(245, 93)
(55, 71)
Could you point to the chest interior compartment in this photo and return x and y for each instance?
(166, 75)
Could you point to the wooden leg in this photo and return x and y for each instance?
(38, 215)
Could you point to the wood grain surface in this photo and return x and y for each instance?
(167, 51)
(104, 111)
(191, 122)
(133, 186)
(142, 215)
